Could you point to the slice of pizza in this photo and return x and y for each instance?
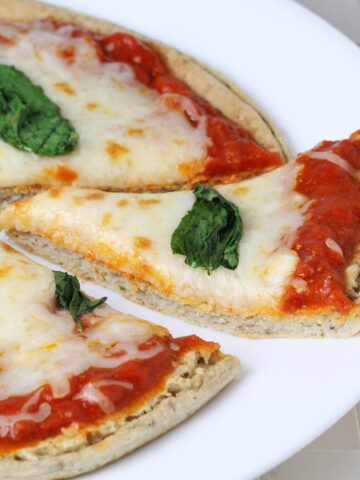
(82, 384)
(275, 255)
(85, 103)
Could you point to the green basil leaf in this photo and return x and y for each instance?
(209, 234)
(69, 296)
(29, 120)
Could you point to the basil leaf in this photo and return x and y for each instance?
(29, 120)
(210, 232)
(69, 296)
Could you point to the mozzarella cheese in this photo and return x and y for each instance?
(131, 234)
(39, 344)
(130, 135)
(332, 158)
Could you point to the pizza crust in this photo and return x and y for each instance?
(208, 83)
(330, 324)
(195, 381)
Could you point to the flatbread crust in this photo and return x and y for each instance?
(208, 83)
(192, 385)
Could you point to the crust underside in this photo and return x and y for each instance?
(331, 324)
(196, 380)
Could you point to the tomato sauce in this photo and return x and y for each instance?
(333, 216)
(147, 377)
(233, 151)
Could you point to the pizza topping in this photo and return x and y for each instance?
(91, 393)
(69, 296)
(333, 158)
(210, 232)
(8, 422)
(42, 411)
(334, 246)
(330, 234)
(29, 120)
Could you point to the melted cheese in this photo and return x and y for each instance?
(130, 135)
(91, 393)
(131, 233)
(40, 345)
(8, 422)
(333, 158)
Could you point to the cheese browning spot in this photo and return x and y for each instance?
(95, 196)
(106, 219)
(115, 150)
(67, 53)
(65, 174)
(136, 132)
(48, 346)
(148, 201)
(92, 106)
(5, 270)
(55, 192)
(64, 87)
(142, 242)
(122, 203)
(178, 141)
(240, 190)
(190, 169)
(78, 200)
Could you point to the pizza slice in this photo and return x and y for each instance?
(85, 103)
(275, 255)
(82, 384)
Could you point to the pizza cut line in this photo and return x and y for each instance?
(73, 399)
(297, 267)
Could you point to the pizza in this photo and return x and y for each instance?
(274, 255)
(85, 103)
(158, 179)
(82, 384)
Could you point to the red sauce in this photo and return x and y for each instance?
(147, 376)
(334, 214)
(233, 150)
(4, 39)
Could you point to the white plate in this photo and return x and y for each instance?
(306, 75)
